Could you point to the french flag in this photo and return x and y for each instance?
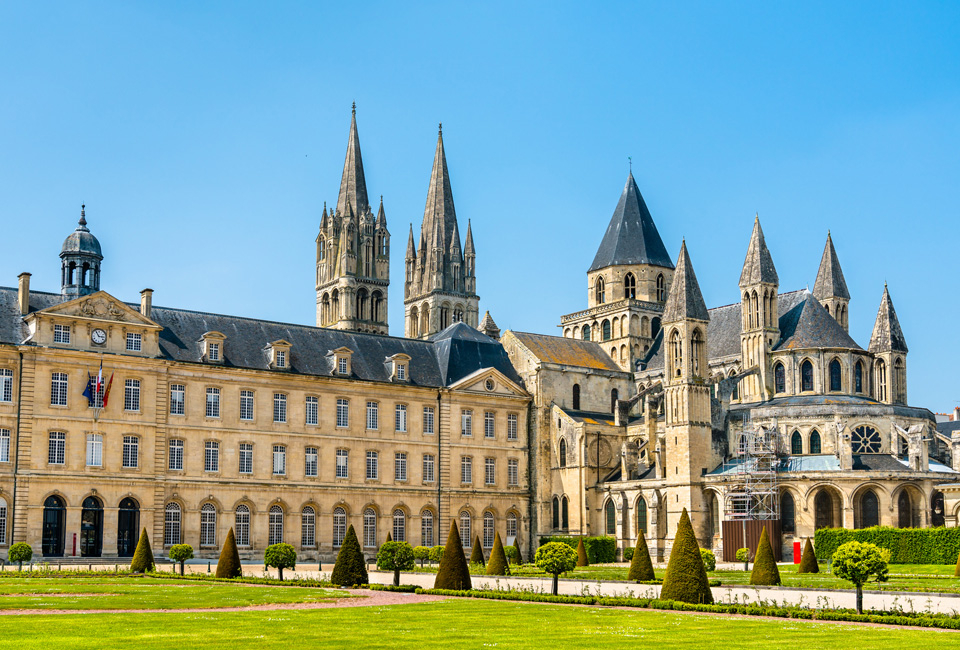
(99, 384)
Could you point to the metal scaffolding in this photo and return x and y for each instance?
(757, 494)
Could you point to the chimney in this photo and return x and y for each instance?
(23, 295)
(956, 413)
(146, 302)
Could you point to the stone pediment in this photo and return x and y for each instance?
(490, 381)
(100, 306)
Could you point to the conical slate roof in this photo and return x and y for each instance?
(887, 335)
(439, 215)
(631, 236)
(411, 248)
(758, 266)
(684, 300)
(808, 325)
(488, 326)
(353, 186)
(830, 282)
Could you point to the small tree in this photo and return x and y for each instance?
(228, 566)
(396, 557)
(511, 553)
(497, 566)
(143, 557)
(582, 559)
(686, 579)
(421, 553)
(743, 555)
(280, 556)
(453, 572)
(555, 558)
(808, 560)
(709, 559)
(181, 553)
(857, 562)
(20, 552)
(641, 568)
(351, 568)
(436, 554)
(765, 571)
(476, 556)
(516, 545)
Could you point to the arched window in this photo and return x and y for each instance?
(564, 513)
(614, 396)
(426, 528)
(339, 526)
(806, 376)
(465, 528)
(823, 510)
(556, 513)
(610, 517)
(275, 531)
(488, 530)
(779, 378)
(869, 510)
(563, 452)
(629, 286)
(512, 527)
(815, 442)
(605, 329)
(661, 289)
(399, 525)
(880, 380)
(208, 525)
(642, 516)
(241, 525)
(696, 351)
(676, 352)
(576, 397)
(369, 528)
(899, 381)
(586, 332)
(936, 510)
(788, 513)
(835, 376)
(755, 301)
(599, 291)
(308, 528)
(171, 524)
(904, 510)
(858, 377)
(655, 327)
(796, 444)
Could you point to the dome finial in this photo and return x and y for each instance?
(83, 214)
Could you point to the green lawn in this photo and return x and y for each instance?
(146, 593)
(446, 624)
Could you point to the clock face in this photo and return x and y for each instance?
(98, 336)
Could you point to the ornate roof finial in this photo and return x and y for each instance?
(630, 161)
(440, 128)
(83, 214)
(354, 108)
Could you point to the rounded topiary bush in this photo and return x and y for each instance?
(20, 552)
(351, 568)
(181, 553)
(497, 566)
(686, 578)
(808, 560)
(396, 557)
(476, 556)
(436, 554)
(709, 559)
(628, 554)
(421, 554)
(765, 571)
(582, 559)
(228, 566)
(280, 556)
(641, 568)
(555, 558)
(453, 572)
(143, 557)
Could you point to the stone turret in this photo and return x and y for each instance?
(80, 259)
(889, 346)
(760, 328)
(830, 288)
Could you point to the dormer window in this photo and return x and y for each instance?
(279, 355)
(399, 367)
(343, 366)
(213, 351)
(341, 361)
(281, 358)
(402, 371)
(213, 347)
(61, 334)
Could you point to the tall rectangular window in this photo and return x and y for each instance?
(400, 466)
(246, 405)
(401, 424)
(177, 399)
(428, 420)
(373, 466)
(341, 365)
(3, 522)
(213, 402)
(373, 415)
(4, 445)
(131, 395)
(281, 359)
(343, 413)
(310, 461)
(213, 351)
(513, 472)
(489, 430)
(489, 471)
(246, 458)
(279, 459)
(428, 465)
(94, 450)
(343, 457)
(466, 422)
(58, 389)
(134, 342)
(61, 333)
(57, 448)
(512, 426)
(313, 409)
(279, 407)
(211, 456)
(175, 456)
(6, 385)
(466, 469)
(131, 452)
(402, 371)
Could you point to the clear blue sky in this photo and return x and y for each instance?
(205, 137)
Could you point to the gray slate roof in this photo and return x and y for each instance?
(447, 357)
(830, 463)
(631, 237)
(82, 240)
(808, 325)
(887, 335)
(685, 299)
(758, 265)
(830, 282)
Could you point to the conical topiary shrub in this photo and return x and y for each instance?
(228, 566)
(351, 568)
(498, 566)
(808, 561)
(641, 568)
(143, 557)
(389, 538)
(956, 571)
(582, 559)
(453, 572)
(686, 577)
(476, 557)
(765, 570)
(516, 545)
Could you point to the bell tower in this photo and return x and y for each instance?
(80, 260)
(760, 327)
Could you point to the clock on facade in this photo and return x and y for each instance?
(98, 336)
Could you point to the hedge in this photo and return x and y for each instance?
(599, 549)
(906, 545)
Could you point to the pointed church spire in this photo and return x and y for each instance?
(685, 301)
(830, 282)
(411, 248)
(455, 252)
(439, 210)
(887, 335)
(353, 186)
(381, 215)
(758, 266)
(468, 245)
(632, 236)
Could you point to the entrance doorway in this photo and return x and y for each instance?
(128, 527)
(91, 528)
(53, 526)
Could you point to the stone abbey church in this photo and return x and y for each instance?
(118, 416)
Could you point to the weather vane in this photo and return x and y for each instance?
(630, 160)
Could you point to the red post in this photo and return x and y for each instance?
(796, 552)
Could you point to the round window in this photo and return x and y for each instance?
(865, 440)
(489, 384)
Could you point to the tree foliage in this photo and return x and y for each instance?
(765, 571)
(180, 553)
(641, 568)
(228, 566)
(421, 554)
(600, 549)
(396, 557)
(351, 567)
(436, 553)
(143, 557)
(857, 562)
(280, 556)
(808, 560)
(743, 554)
(709, 559)
(497, 566)
(686, 579)
(20, 552)
(453, 572)
(555, 558)
(906, 545)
